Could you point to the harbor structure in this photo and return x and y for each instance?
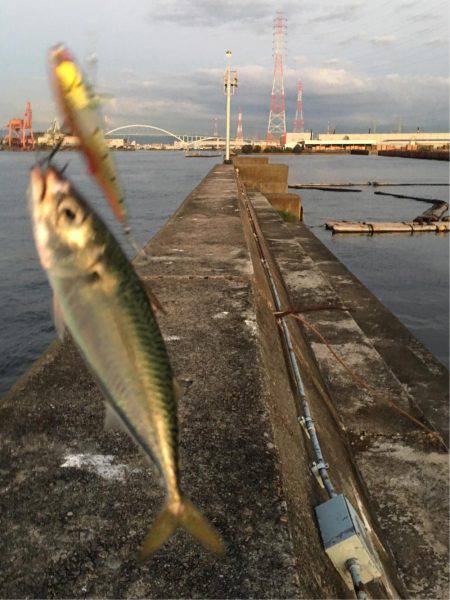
(20, 131)
(370, 140)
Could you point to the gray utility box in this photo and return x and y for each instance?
(344, 537)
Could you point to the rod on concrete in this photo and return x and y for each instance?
(320, 465)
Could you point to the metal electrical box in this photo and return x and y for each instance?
(344, 537)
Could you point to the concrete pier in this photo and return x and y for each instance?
(415, 152)
(75, 500)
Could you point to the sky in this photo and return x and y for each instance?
(363, 63)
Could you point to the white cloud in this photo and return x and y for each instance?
(351, 99)
(341, 12)
(218, 13)
(383, 40)
(300, 59)
(437, 43)
(331, 62)
(327, 80)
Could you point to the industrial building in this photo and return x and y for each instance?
(371, 140)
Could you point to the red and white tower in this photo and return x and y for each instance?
(276, 130)
(239, 131)
(298, 121)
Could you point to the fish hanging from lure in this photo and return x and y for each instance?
(99, 298)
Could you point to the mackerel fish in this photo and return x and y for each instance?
(99, 298)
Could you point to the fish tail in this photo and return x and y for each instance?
(181, 514)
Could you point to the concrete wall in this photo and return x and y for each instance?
(271, 179)
(386, 492)
(242, 161)
(287, 203)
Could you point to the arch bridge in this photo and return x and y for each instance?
(188, 141)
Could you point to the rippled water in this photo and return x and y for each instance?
(409, 273)
(155, 183)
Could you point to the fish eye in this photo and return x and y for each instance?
(69, 214)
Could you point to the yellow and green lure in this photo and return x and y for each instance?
(80, 110)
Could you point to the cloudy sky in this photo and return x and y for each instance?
(362, 62)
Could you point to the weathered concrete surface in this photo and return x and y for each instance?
(271, 179)
(239, 161)
(72, 531)
(286, 203)
(406, 480)
(423, 154)
(424, 377)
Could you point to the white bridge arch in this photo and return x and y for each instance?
(186, 143)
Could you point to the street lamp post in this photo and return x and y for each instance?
(230, 87)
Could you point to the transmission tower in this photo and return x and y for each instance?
(277, 118)
(239, 131)
(298, 121)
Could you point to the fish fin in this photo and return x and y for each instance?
(181, 514)
(58, 318)
(112, 421)
(156, 304)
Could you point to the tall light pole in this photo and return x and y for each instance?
(230, 87)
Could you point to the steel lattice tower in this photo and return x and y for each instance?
(239, 131)
(298, 121)
(277, 118)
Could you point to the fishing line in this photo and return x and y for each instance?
(434, 435)
(139, 248)
(62, 170)
(46, 160)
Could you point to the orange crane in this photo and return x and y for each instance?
(20, 131)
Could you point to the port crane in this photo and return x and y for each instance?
(20, 131)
